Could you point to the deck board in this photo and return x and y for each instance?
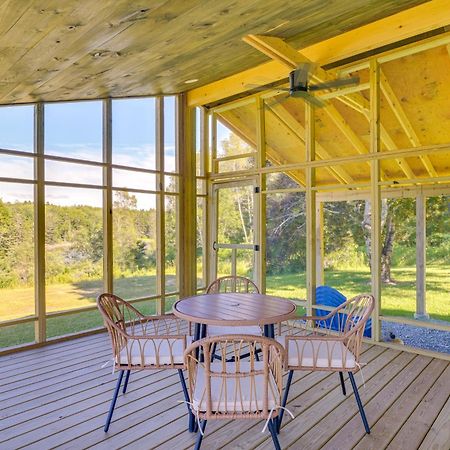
(438, 437)
(336, 410)
(58, 396)
(420, 421)
(386, 428)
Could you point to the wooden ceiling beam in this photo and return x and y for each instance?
(276, 49)
(414, 21)
(406, 50)
(405, 123)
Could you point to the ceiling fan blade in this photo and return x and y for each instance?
(308, 98)
(334, 83)
(277, 101)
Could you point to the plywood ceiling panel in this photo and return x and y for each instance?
(80, 49)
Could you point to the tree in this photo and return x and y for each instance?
(286, 230)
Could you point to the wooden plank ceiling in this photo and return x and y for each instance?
(80, 49)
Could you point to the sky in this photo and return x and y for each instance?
(74, 129)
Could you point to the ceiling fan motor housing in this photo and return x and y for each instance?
(295, 88)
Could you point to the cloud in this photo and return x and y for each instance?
(57, 171)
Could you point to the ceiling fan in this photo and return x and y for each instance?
(300, 86)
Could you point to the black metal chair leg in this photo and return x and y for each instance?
(200, 435)
(113, 401)
(191, 416)
(358, 401)
(125, 385)
(285, 397)
(341, 377)
(213, 352)
(273, 432)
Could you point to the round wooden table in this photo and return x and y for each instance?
(234, 309)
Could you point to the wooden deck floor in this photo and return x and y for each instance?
(58, 396)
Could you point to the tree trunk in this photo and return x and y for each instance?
(241, 214)
(386, 251)
(367, 226)
(387, 224)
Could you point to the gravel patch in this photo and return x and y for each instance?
(415, 336)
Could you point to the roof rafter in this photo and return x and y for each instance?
(405, 123)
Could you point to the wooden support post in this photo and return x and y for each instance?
(233, 263)
(319, 244)
(214, 163)
(108, 278)
(204, 164)
(213, 207)
(186, 242)
(310, 209)
(421, 311)
(260, 238)
(39, 225)
(160, 208)
(375, 195)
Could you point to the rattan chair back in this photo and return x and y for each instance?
(232, 284)
(331, 342)
(142, 342)
(243, 389)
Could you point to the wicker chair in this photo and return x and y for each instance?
(239, 285)
(240, 389)
(142, 342)
(332, 343)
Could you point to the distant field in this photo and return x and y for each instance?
(397, 300)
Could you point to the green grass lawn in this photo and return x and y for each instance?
(397, 300)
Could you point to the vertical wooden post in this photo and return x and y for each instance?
(260, 238)
(421, 311)
(160, 208)
(213, 199)
(108, 278)
(39, 225)
(310, 197)
(319, 244)
(375, 195)
(204, 164)
(187, 204)
(214, 163)
(233, 263)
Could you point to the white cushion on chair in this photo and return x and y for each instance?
(164, 348)
(318, 353)
(217, 330)
(225, 400)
